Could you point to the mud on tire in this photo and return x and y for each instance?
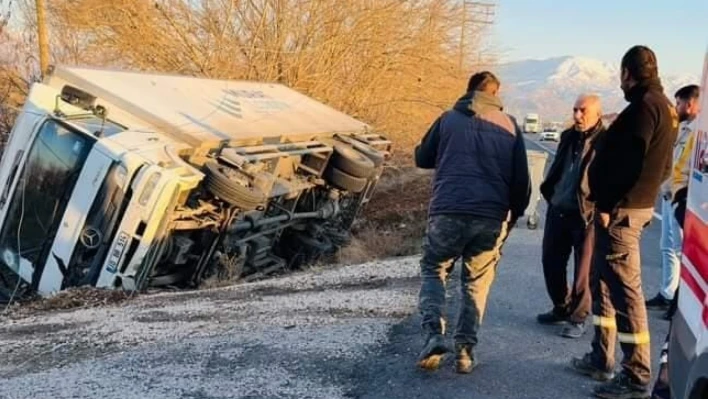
(232, 187)
(344, 181)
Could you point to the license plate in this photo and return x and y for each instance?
(117, 253)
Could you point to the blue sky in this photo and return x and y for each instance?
(604, 29)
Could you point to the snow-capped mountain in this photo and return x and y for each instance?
(549, 87)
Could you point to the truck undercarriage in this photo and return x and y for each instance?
(232, 229)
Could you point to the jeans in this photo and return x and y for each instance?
(478, 242)
(671, 238)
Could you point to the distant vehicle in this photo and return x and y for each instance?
(551, 134)
(532, 123)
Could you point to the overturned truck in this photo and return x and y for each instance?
(129, 180)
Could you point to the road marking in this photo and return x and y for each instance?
(552, 152)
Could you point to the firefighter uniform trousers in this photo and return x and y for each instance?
(619, 312)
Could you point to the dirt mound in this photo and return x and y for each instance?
(393, 223)
(72, 298)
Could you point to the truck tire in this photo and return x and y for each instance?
(373, 154)
(224, 182)
(352, 162)
(345, 181)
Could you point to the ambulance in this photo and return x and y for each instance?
(688, 348)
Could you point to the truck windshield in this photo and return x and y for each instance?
(41, 195)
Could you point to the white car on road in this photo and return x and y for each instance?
(550, 135)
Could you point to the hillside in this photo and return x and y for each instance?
(550, 86)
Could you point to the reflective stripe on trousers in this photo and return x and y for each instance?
(618, 300)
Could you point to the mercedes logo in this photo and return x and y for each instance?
(91, 237)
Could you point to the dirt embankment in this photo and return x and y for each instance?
(393, 223)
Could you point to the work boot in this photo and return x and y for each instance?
(658, 303)
(585, 367)
(552, 318)
(621, 387)
(433, 352)
(464, 358)
(573, 330)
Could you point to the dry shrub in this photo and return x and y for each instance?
(16, 72)
(393, 223)
(394, 64)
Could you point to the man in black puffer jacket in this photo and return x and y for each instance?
(481, 186)
(632, 161)
(568, 225)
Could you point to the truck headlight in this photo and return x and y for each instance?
(149, 188)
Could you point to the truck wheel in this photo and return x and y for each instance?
(351, 161)
(230, 186)
(373, 154)
(344, 180)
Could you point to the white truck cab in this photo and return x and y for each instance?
(126, 180)
(688, 347)
(532, 123)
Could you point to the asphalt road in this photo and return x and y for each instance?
(349, 332)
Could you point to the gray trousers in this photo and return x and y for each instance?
(478, 241)
(619, 312)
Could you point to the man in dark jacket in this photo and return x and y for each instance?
(568, 228)
(631, 162)
(481, 182)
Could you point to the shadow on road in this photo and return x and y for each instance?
(518, 358)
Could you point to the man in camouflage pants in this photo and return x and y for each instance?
(481, 186)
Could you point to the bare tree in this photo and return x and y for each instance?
(5, 14)
(392, 63)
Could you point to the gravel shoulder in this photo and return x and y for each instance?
(348, 332)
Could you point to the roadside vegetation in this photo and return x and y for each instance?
(393, 64)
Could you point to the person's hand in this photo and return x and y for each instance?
(604, 219)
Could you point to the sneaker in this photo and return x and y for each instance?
(433, 353)
(573, 330)
(621, 387)
(464, 358)
(658, 303)
(585, 367)
(551, 318)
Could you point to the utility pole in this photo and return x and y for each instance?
(42, 36)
